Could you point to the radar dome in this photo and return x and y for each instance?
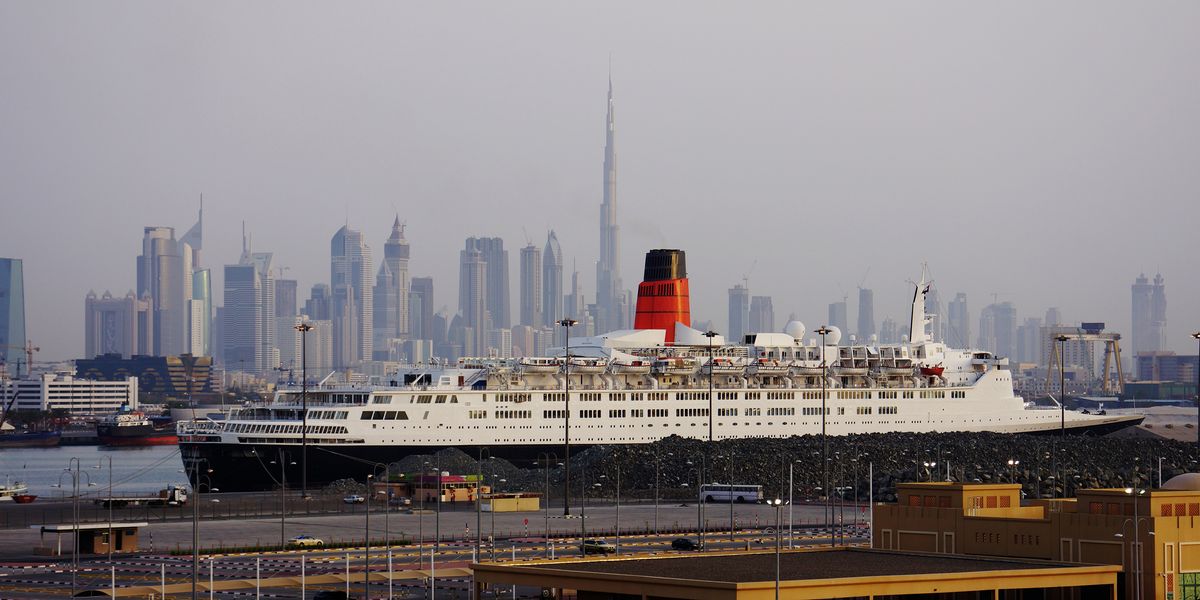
(1187, 482)
(794, 329)
(834, 337)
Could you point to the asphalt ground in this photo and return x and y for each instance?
(26, 575)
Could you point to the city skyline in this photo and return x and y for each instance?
(712, 133)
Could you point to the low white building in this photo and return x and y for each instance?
(57, 391)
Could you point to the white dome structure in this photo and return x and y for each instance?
(795, 329)
(1189, 482)
(834, 337)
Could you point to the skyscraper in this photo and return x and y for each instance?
(1149, 305)
(384, 296)
(162, 271)
(12, 311)
(739, 313)
(1029, 341)
(998, 329)
(198, 292)
(552, 282)
(395, 255)
(608, 268)
(116, 325)
(472, 298)
(317, 307)
(531, 286)
(762, 314)
(420, 308)
(496, 294)
(352, 307)
(958, 322)
(250, 313)
(285, 298)
(838, 318)
(866, 314)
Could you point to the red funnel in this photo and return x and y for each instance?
(663, 294)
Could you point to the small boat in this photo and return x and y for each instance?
(10, 490)
(934, 371)
(133, 428)
(633, 367)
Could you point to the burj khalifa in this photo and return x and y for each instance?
(610, 308)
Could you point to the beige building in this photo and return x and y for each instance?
(1153, 534)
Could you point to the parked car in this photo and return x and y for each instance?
(354, 499)
(305, 541)
(332, 595)
(685, 544)
(598, 547)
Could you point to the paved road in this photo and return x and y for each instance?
(25, 576)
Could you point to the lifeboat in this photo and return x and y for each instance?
(723, 366)
(587, 365)
(675, 366)
(537, 365)
(634, 367)
(933, 371)
(764, 366)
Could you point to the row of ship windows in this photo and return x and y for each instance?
(295, 429)
(700, 395)
(620, 413)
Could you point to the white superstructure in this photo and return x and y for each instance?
(629, 387)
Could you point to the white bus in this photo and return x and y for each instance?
(722, 492)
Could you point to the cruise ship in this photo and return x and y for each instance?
(638, 386)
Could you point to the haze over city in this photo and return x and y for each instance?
(1043, 154)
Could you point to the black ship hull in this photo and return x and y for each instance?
(248, 468)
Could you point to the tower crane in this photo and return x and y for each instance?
(28, 349)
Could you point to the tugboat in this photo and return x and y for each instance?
(133, 428)
(15, 491)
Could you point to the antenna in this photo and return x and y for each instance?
(746, 276)
(864, 277)
(528, 240)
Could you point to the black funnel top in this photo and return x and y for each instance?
(662, 265)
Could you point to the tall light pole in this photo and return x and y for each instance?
(546, 457)
(823, 331)
(74, 469)
(367, 539)
(1135, 558)
(777, 504)
(197, 478)
(710, 334)
(567, 324)
(479, 502)
(110, 504)
(282, 497)
(1062, 411)
(1197, 337)
(304, 328)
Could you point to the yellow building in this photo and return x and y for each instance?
(1153, 534)
(802, 575)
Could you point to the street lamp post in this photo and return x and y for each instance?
(197, 478)
(823, 331)
(76, 472)
(479, 501)
(1062, 411)
(110, 506)
(567, 324)
(1197, 338)
(1012, 469)
(777, 504)
(387, 503)
(282, 496)
(304, 328)
(710, 334)
(1135, 558)
(367, 539)
(546, 457)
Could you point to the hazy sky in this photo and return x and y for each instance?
(1043, 152)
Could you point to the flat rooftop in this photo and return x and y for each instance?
(799, 566)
